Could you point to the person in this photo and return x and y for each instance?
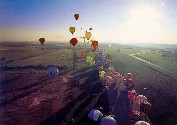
(108, 120)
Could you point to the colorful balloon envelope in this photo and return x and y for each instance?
(94, 43)
(81, 54)
(42, 40)
(76, 16)
(101, 73)
(72, 29)
(52, 72)
(88, 35)
(73, 41)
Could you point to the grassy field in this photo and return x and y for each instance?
(24, 83)
(161, 87)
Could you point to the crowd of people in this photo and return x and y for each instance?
(108, 75)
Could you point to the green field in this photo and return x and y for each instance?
(161, 86)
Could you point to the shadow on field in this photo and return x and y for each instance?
(88, 90)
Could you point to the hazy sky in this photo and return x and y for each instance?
(122, 21)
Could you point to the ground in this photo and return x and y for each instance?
(28, 96)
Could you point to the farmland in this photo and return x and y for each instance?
(28, 96)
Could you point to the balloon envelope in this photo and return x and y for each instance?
(76, 16)
(88, 35)
(108, 120)
(42, 40)
(72, 29)
(52, 72)
(95, 43)
(73, 41)
(101, 73)
(95, 114)
(81, 54)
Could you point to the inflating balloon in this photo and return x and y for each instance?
(108, 120)
(101, 73)
(42, 40)
(52, 72)
(73, 41)
(76, 16)
(88, 35)
(95, 115)
(89, 59)
(72, 29)
(81, 54)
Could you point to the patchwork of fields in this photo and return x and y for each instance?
(26, 90)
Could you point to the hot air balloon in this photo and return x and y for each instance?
(52, 72)
(76, 16)
(89, 59)
(42, 40)
(94, 43)
(81, 54)
(95, 115)
(73, 41)
(88, 35)
(108, 120)
(101, 73)
(72, 29)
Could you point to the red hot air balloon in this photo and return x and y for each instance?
(76, 16)
(42, 40)
(81, 54)
(95, 43)
(73, 41)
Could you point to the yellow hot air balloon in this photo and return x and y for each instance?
(72, 29)
(88, 35)
(101, 73)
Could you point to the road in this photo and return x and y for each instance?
(152, 64)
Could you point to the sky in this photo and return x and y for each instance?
(120, 21)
